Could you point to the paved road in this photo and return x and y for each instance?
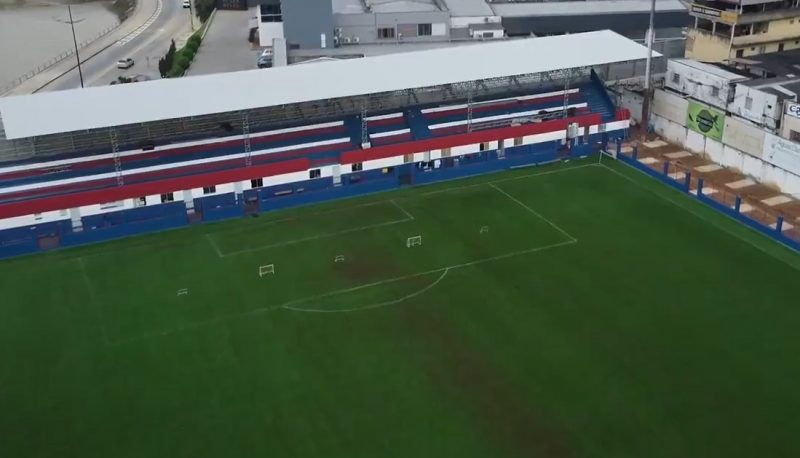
(144, 46)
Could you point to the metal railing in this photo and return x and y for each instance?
(54, 60)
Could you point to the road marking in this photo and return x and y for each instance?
(138, 31)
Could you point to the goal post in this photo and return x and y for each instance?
(268, 269)
(414, 241)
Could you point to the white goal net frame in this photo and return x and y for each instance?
(268, 269)
(413, 241)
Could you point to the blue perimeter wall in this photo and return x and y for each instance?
(733, 212)
(124, 223)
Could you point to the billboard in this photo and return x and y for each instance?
(705, 120)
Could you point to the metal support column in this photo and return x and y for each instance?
(364, 127)
(566, 92)
(112, 133)
(469, 109)
(248, 157)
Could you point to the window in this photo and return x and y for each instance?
(676, 78)
(517, 141)
(408, 158)
(357, 167)
(794, 135)
(780, 47)
(257, 183)
(445, 152)
(141, 202)
(740, 53)
(483, 146)
(714, 91)
(386, 32)
(424, 30)
(748, 103)
(271, 13)
(314, 173)
(209, 189)
(168, 197)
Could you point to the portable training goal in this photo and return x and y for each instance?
(183, 291)
(339, 258)
(484, 230)
(414, 241)
(266, 270)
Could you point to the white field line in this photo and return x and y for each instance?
(370, 306)
(315, 237)
(698, 215)
(534, 212)
(405, 212)
(503, 180)
(93, 300)
(269, 222)
(214, 245)
(290, 305)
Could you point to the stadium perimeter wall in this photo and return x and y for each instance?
(683, 185)
(742, 146)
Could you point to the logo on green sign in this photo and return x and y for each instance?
(705, 120)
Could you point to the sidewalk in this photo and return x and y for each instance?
(145, 10)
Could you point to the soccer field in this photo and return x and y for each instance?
(577, 310)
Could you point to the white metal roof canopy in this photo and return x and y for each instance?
(93, 108)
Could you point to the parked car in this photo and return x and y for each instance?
(187, 3)
(265, 59)
(125, 63)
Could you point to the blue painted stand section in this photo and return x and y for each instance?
(417, 124)
(352, 125)
(733, 212)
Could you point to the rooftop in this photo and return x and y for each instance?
(467, 8)
(716, 70)
(567, 8)
(127, 104)
(384, 6)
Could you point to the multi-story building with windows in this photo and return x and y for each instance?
(730, 30)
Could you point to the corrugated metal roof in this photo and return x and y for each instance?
(99, 107)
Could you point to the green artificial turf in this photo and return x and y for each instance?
(597, 314)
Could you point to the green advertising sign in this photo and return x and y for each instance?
(705, 120)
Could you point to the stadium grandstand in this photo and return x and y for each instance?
(87, 165)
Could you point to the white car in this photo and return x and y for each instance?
(125, 63)
(187, 3)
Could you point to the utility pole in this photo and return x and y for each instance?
(72, 23)
(648, 84)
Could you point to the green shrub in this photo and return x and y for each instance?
(182, 63)
(195, 38)
(191, 46)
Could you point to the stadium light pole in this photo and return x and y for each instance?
(648, 83)
(72, 23)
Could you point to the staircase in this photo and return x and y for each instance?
(416, 122)
(599, 101)
(352, 126)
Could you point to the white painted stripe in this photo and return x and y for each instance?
(210, 141)
(386, 116)
(504, 116)
(390, 133)
(490, 102)
(173, 165)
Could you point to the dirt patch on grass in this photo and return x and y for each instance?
(469, 380)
